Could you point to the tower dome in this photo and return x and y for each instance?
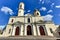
(21, 5)
(36, 12)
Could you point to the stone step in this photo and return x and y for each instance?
(29, 38)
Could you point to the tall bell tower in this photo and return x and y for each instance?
(21, 9)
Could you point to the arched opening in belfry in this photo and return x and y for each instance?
(17, 31)
(29, 31)
(41, 30)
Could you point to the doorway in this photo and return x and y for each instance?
(17, 31)
(59, 33)
(41, 30)
(29, 31)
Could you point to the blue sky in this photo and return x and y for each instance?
(51, 7)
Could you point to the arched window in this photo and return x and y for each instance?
(20, 6)
(9, 30)
(51, 30)
(28, 20)
(37, 13)
(12, 20)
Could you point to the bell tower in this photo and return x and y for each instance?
(36, 13)
(21, 9)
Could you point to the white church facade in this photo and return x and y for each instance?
(30, 25)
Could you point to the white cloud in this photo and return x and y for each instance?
(52, 4)
(58, 6)
(40, 0)
(57, 25)
(28, 10)
(47, 1)
(50, 11)
(2, 26)
(44, 1)
(43, 8)
(7, 10)
(47, 17)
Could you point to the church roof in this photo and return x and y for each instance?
(28, 14)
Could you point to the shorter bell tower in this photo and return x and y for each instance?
(21, 9)
(36, 13)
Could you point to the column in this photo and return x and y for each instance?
(13, 33)
(34, 30)
(38, 30)
(21, 31)
(25, 31)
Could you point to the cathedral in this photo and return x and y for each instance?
(30, 25)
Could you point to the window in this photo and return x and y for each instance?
(59, 33)
(28, 20)
(51, 30)
(1, 32)
(12, 20)
(9, 30)
(37, 13)
(20, 6)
